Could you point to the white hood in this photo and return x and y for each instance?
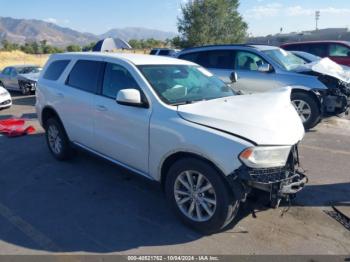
(328, 67)
(265, 119)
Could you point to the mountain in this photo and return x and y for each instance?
(137, 33)
(26, 30)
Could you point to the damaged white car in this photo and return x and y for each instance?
(172, 121)
(317, 88)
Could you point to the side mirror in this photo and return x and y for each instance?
(233, 77)
(130, 97)
(265, 68)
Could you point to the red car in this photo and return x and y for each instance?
(338, 51)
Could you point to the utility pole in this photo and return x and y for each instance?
(317, 18)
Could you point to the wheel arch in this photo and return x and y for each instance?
(176, 156)
(47, 113)
(308, 92)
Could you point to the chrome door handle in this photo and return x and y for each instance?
(101, 108)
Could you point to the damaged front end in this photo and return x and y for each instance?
(28, 86)
(281, 183)
(336, 99)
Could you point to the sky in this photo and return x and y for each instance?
(98, 16)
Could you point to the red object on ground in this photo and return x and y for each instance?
(15, 127)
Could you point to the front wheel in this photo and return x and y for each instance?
(200, 196)
(307, 109)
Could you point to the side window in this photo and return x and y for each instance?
(117, 78)
(85, 75)
(339, 50)
(318, 49)
(296, 47)
(192, 57)
(248, 61)
(164, 52)
(153, 52)
(55, 69)
(220, 59)
(13, 72)
(7, 71)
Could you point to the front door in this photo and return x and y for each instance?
(250, 80)
(121, 132)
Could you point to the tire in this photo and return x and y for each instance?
(226, 203)
(304, 102)
(57, 140)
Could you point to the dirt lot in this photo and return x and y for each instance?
(91, 206)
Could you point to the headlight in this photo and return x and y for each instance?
(265, 157)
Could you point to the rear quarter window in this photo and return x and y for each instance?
(85, 75)
(55, 69)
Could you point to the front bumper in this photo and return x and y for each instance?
(281, 183)
(28, 85)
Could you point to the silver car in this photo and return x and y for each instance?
(259, 68)
(21, 78)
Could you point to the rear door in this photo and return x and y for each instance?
(339, 53)
(75, 100)
(121, 132)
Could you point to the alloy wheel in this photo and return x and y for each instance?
(55, 140)
(303, 109)
(195, 196)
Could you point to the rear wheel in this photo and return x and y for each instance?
(307, 109)
(200, 196)
(57, 139)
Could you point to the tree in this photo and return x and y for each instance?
(146, 43)
(178, 42)
(73, 48)
(211, 22)
(7, 46)
(89, 47)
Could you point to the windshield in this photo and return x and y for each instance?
(29, 69)
(181, 84)
(286, 59)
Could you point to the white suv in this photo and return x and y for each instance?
(174, 122)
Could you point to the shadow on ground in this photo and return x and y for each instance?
(91, 205)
